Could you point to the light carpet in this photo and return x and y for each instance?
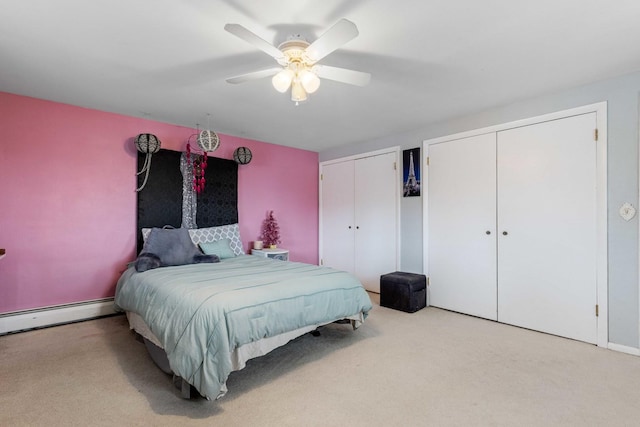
(432, 367)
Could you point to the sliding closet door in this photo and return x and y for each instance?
(547, 227)
(462, 225)
(337, 216)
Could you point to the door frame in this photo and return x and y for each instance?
(602, 283)
(395, 150)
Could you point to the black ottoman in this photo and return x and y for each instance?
(403, 291)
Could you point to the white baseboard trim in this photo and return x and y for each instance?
(624, 349)
(55, 315)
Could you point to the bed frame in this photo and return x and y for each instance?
(159, 204)
(240, 355)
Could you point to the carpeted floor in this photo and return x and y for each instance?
(432, 367)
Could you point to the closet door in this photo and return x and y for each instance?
(376, 193)
(547, 227)
(337, 216)
(462, 225)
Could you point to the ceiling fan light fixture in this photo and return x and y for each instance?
(282, 80)
(297, 92)
(299, 60)
(310, 80)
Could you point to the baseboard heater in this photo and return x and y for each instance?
(23, 320)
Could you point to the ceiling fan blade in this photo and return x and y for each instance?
(336, 36)
(343, 75)
(246, 35)
(253, 75)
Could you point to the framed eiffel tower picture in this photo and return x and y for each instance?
(411, 172)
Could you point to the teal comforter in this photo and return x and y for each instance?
(202, 312)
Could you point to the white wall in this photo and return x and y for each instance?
(621, 94)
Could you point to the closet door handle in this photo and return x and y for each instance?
(349, 227)
(358, 227)
(504, 233)
(488, 232)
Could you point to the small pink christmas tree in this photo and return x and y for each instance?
(270, 231)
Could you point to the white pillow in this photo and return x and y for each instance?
(212, 234)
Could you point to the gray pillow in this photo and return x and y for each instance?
(166, 247)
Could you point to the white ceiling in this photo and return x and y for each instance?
(431, 60)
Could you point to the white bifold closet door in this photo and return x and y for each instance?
(376, 189)
(512, 226)
(337, 215)
(359, 217)
(547, 227)
(462, 224)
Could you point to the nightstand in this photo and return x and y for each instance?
(281, 254)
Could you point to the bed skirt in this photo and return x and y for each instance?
(239, 356)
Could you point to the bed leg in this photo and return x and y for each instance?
(355, 324)
(315, 333)
(185, 387)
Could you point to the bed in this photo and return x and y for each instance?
(202, 321)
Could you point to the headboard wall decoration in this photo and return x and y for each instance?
(160, 202)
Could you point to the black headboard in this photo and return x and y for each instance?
(160, 201)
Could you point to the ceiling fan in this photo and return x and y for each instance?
(298, 59)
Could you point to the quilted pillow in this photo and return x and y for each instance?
(212, 234)
(166, 247)
(221, 247)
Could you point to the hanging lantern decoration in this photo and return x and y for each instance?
(148, 144)
(207, 141)
(242, 155)
(198, 163)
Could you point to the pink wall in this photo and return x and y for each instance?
(68, 201)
